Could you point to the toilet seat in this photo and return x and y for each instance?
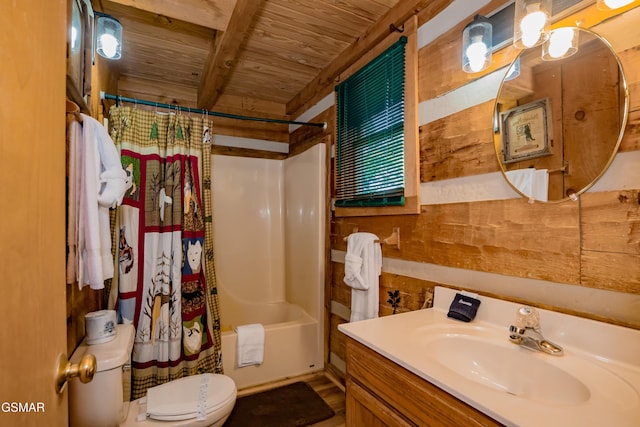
(189, 397)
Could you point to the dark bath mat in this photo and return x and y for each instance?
(288, 406)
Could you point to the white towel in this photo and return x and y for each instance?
(250, 349)
(99, 185)
(75, 141)
(90, 251)
(522, 179)
(540, 185)
(531, 182)
(362, 267)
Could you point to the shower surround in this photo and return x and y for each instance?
(269, 219)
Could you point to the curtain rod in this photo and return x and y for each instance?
(119, 98)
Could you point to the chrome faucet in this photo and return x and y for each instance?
(526, 333)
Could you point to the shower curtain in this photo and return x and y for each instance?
(166, 285)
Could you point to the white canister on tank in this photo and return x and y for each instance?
(100, 326)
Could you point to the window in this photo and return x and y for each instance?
(370, 132)
(376, 134)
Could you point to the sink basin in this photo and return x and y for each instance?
(507, 369)
(596, 382)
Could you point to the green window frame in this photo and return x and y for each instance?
(370, 146)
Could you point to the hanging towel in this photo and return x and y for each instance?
(522, 179)
(362, 268)
(250, 349)
(532, 182)
(75, 139)
(100, 185)
(540, 185)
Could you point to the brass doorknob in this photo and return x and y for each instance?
(66, 370)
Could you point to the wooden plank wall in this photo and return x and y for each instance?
(594, 242)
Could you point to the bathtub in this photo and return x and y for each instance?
(291, 343)
(269, 228)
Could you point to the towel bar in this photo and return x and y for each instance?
(392, 240)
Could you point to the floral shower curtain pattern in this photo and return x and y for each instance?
(166, 277)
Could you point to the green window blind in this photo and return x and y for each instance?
(370, 135)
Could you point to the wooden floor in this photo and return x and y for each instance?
(330, 390)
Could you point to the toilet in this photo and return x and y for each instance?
(198, 400)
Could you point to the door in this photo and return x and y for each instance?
(32, 211)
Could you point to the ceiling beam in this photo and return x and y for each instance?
(213, 14)
(396, 16)
(222, 56)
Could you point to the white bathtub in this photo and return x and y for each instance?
(291, 343)
(269, 228)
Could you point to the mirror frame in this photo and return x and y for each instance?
(498, 145)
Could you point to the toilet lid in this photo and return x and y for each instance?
(189, 397)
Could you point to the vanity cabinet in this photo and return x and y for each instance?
(382, 393)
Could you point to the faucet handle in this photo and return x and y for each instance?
(528, 317)
(516, 330)
(516, 333)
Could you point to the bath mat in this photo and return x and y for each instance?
(292, 405)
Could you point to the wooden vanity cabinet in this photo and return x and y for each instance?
(382, 393)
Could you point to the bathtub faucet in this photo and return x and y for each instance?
(526, 333)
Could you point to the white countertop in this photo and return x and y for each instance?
(604, 358)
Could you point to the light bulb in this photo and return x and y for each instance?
(614, 4)
(532, 26)
(109, 40)
(476, 53)
(476, 45)
(74, 38)
(109, 45)
(560, 42)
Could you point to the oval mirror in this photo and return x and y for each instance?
(558, 123)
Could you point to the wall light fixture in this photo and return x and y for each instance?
(612, 4)
(562, 43)
(477, 45)
(108, 36)
(531, 22)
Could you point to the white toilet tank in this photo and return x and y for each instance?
(100, 403)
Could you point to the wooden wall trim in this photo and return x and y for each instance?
(247, 152)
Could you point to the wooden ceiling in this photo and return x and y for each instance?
(267, 51)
